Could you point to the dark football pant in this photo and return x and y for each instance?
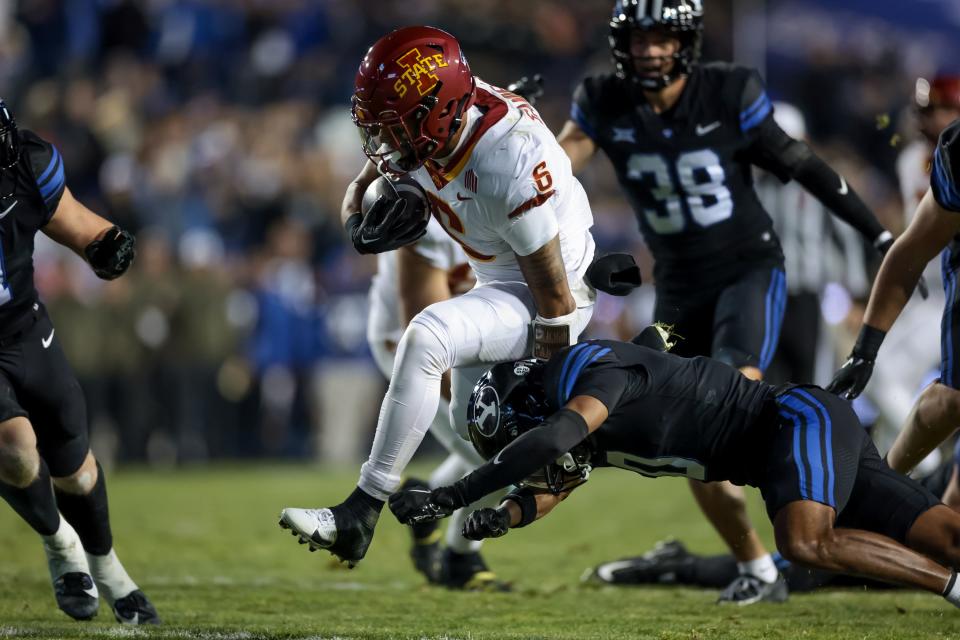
(37, 382)
(950, 324)
(738, 323)
(821, 453)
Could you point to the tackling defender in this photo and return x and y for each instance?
(835, 505)
(502, 187)
(43, 414)
(934, 228)
(681, 136)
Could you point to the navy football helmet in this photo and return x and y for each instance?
(508, 401)
(682, 19)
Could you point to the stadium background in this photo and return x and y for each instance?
(219, 131)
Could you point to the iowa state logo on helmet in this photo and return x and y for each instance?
(419, 72)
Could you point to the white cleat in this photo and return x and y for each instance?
(318, 528)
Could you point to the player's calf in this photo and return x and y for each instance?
(933, 418)
(19, 458)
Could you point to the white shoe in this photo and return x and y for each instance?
(319, 528)
(73, 587)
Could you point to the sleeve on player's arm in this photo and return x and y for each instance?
(582, 112)
(48, 170)
(945, 174)
(755, 106)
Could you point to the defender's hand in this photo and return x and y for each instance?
(418, 505)
(852, 377)
(486, 523)
(528, 88)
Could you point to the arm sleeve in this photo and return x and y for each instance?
(46, 165)
(756, 109)
(944, 175)
(521, 458)
(787, 158)
(582, 111)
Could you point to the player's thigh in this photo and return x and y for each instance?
(488, 324)
(748, 318)
(51, 395)
(690, 318)
(884, 501)
(816, 452)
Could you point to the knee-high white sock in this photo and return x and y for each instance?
(110, 576)
(408, 408)
(450, 470)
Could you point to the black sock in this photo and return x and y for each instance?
(89, 515)
(364, 506)
(35, 502)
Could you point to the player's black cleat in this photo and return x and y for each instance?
(661, 565)
(135, 608)
(747, 589)
(425, 551)
(468, 572)
(77, 595)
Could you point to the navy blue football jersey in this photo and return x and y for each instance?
(945, 174)
(32, 189)
(687, 172)
(694, 417)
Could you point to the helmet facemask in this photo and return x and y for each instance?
(9, 138)
(683, 22)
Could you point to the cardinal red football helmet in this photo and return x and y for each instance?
(412, 90)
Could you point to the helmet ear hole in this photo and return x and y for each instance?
(451, 105)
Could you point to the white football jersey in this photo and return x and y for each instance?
(439, 249)
(508, 189)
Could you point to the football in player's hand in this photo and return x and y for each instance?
(387, 191)
(393, 213)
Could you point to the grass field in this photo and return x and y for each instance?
(204, 544)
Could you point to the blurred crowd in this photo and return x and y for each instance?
(219, 131)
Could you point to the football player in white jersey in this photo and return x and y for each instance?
(432, 269)
(502, 187)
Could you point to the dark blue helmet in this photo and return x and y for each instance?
(682, 19)
(9, 138)
(508, 401)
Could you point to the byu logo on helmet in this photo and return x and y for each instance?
(486, 411)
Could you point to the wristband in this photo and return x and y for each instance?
(868, 342)
(527, 501)
(552, 332)
(351, 224)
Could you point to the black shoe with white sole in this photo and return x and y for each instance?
(77, 595)
(135, 608)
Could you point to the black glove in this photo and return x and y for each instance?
(111, 255)
(486, 523)
(385, 227)
(855, 373)
(413, 506)
(922, 287)
(614, 273)
(527, 88)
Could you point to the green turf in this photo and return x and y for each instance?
(204, 544)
